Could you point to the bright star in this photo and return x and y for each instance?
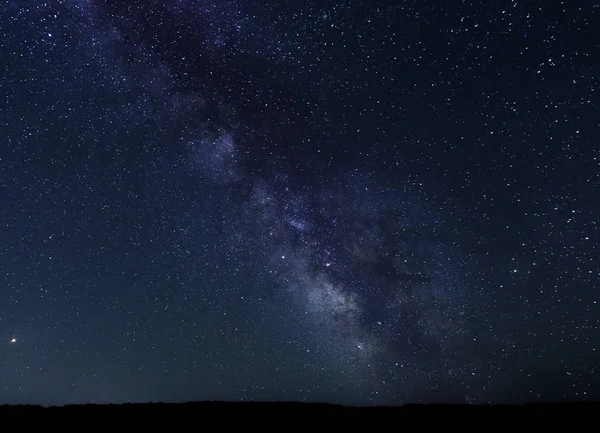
(14, 340)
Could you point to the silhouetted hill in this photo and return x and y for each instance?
(213, 408)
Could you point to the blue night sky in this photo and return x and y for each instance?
(356, 202)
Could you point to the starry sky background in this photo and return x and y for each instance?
(358, 202)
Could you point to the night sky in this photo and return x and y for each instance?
(357, 202)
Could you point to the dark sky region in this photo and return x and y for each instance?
(357, 202)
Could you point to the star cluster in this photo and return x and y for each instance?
(355, 202)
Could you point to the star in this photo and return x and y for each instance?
(13, 340)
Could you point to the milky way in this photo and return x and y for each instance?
(353, 202)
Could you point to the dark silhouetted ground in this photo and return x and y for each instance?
(250, 408)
